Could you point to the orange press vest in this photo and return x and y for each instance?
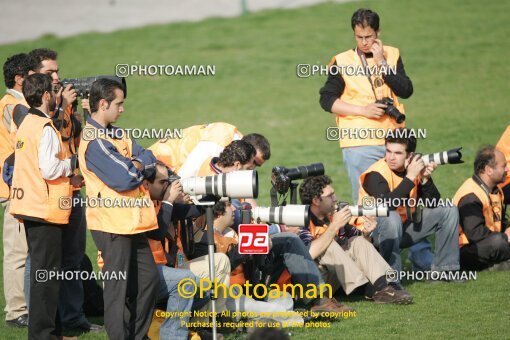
(115, 220)
(492, 206)
(7, 139)
(33, 197)
(173, 152)
(393, 180)
(504, 146)
(358, 91)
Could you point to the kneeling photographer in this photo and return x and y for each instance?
(345, 257)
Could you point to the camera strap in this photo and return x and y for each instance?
(365, 68)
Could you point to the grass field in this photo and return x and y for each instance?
(455, 52)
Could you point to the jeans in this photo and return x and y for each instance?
(168, 282)
(391, 235)
(357, 160)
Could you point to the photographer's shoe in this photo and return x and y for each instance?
(21, 321)
(391, 295)
(330, 305)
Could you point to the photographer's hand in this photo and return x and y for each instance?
(374, 110)
(174, 192)
(414, 166)
(68, 96)
(427, 172)
(340, 219)
(77, 181)
(369, 224)
(378, 52)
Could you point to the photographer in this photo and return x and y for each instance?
(40, 182)
(401, 178)
(346, 258)
(15, 247)
(353, 101)
(484, 236)
(238, 155)
(113, 165)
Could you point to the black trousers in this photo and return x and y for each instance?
(45, 249)
(128, 304)
(482, 254)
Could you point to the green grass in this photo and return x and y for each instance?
(456, 53)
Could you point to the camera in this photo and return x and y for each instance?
(83, 85)
(358, 210)
(391, 110)
(236, 184)
(292, 215)
(453, 156)
(281, 176)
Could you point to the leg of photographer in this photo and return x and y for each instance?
(387, 237)
(70, 307)
(44, 244)
(443, 222)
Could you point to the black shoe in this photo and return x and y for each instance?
(86, 327)
(21, 321)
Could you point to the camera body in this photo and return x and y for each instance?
(83, 85)
(391, 110)
(282, 177)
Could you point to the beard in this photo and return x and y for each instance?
(52, 105)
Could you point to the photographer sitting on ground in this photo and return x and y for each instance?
(402, 177)
(344, 256)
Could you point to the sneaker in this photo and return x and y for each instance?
(330, 305)
(20, 322)
(391, 295)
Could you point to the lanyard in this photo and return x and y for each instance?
(365, 67)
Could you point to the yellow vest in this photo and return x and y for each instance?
(393, 180)
(7, 140)
(504, 146)
(173, 152)
(33, 197)
(358, 91)
(492, 213)
(115, 220)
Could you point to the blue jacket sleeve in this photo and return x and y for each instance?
(146, 157)
(115, 170)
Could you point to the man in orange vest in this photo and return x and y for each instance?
(40, 183)
(165, 195)
(14, 240)
(65, 120)
(340, 250)
(113, 166)
(484, 236)
(401, 179)
(352, 99)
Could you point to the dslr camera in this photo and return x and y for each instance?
(391, 110)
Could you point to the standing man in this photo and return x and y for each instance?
(113, 165)
(14, 238)
(483, 239)
(40, 183)
(352, 99)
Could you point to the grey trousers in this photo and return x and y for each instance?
(391, 235)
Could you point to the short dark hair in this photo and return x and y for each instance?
(38, 55)
(485, 156)
(402, 136)
(16, 65)
(312, 187)
(150, 172)
(259, 142)
(34, 87)
(103, 89)
(238, 150)
(219, 209)
(365, 17)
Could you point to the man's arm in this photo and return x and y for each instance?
(144, 156)
(321, 244)
(472, 219)
(399, 83)
(375, 185)
(49, 147)
(429, 190)
(115, 170)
